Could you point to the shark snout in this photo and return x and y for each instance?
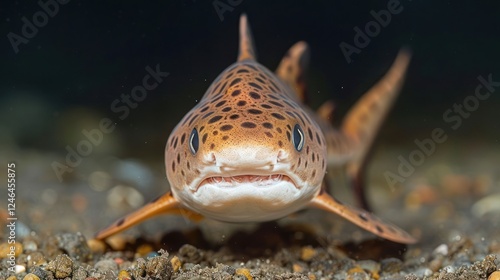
(247, 157)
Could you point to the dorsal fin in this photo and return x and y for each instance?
(292, 69)
(247, 50)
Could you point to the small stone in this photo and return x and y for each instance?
(124, 275)
(297, 267)
(19, 268)
(74, 244)
(244, 272)
(391, 265)
(189, 253)
(35, 258)
(80, 273)
(36, 270)
(494, 276)
(441, 250)
(12, 277)
(96, 246)
(117, 242)
(144, 250)
(6, 249)
(62, 266)
(159, 268)
(106, 265)
(176, 263)
(307, 253)
(31, 276)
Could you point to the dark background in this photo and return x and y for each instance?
(66, 77)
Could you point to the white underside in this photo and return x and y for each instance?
(246, 201)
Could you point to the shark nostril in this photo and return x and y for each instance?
(282, 155)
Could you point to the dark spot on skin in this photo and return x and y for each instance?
(204, 138)
(182, 173)
(220, 103)
(207, 114)
(255, 85)
(266, 106)
(276, 103)
(215, 119)
(278, 116)
(173, 166)
(260, 80)
(175, 142)
(234, 117)
(212, 146)
(307, 150)
(279, 130)
(307, 163)
(226, 127)
(310, 133)
(254, 95)
(120, 222)
(323, 164)
(227, 109)
(229, 76)
(215, 132)
(268, 134)
(267, 125)
(201, 128)
(204, 109)
(289, 127)
(225, 138)
(178, 158)
(242, 71)
(379, 229)
(235, 81)
(299, 162)
(248, 125)
(187, 118)
(318, 138)
(254, 111)
(188, 165)
(236, 92)
(313, 157)
(363, 217)
(241, 103)
(273, 97)
(313, 174)
(252, 67)
(280, 143)
(288, 135)
(183, 138)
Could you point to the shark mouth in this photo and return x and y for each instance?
(255, 180)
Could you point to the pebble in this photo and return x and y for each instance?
(189, 253)
(124, 275)
(12, 277)
(391, 265)
(159, 268)
(307, 253)
(5, 249)
(31, 276)
(494, 276)
(144, 249)
(38, 271)
(106, 265)
(244, 272)
(62, 266)
(176, 263)
(297, 267)
(117, 242)
(74, 244)
(96, 246)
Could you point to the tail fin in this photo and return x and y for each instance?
(247, 49)
(292, 69)
(364, 120)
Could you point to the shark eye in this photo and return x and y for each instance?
(193, 141)
(298, 138)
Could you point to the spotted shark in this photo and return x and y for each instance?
(251, 150)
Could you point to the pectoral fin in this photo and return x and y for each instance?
(362, 219)
(165, 204)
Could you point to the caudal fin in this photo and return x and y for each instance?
(363, 121)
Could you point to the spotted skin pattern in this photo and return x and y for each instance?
(251, 151)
